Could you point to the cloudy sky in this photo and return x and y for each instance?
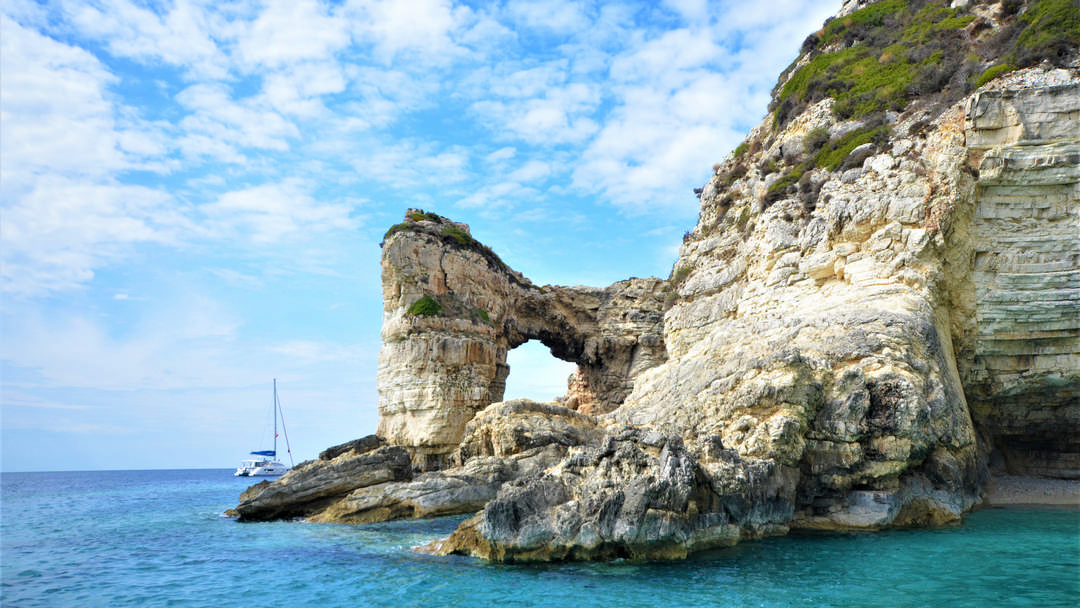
(193, 192)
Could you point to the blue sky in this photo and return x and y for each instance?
(193, 192)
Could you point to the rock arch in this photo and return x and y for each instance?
(451, 312)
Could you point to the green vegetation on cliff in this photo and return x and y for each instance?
(420, 221)
(425, 306)
(877, 60)
(881, 57)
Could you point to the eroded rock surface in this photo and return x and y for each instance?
(511, 428)
(1022, 362)
(452, 310)
(638, 494)
(870, 310)
(830, 350)
(312, 486)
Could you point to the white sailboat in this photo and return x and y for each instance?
(267, 465)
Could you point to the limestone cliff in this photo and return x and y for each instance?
(880, 297)
(880, 301)
(1020, 349)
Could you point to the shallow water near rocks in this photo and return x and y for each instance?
(157, 538)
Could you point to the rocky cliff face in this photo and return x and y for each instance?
(1020, 359)
(880, 300)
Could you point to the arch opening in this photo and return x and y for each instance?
(536, 374)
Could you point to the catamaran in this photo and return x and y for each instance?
(267, 465)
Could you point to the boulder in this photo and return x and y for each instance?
(512, 427)
(639, 494)
(451, 492)
(313, 486)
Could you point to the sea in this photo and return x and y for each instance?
(161, 538)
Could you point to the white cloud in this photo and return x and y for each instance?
(530, 82)
(559, 115)
(799, 16)
(668, 61)
(420, 31)
(270, 213)
(382, 96)
(291, 31)
(501, 155)
(298, 89)
(181, 37)
(485, 35)
(496, 196)
(196, 145)
(556, 16)
(57, 113)
(64, 139)
(238, 279)
(531, 171)
(215, 113)
(691, 10)
(410, 164)
(56, 235)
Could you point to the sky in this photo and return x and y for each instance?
(193, 193)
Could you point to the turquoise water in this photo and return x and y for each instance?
(157, 538)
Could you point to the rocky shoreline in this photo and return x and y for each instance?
(1028, 491)
(876, 311)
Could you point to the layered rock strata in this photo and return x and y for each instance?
(1022, 374)
(315, 485)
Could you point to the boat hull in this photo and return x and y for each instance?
(262, 469)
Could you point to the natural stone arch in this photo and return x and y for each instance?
(451, 312)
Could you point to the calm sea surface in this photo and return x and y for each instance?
(157, 538)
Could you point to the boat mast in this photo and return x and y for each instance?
(275, 417)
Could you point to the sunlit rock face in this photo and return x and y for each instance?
(851, 359)
(879, 302)
(452, 310)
